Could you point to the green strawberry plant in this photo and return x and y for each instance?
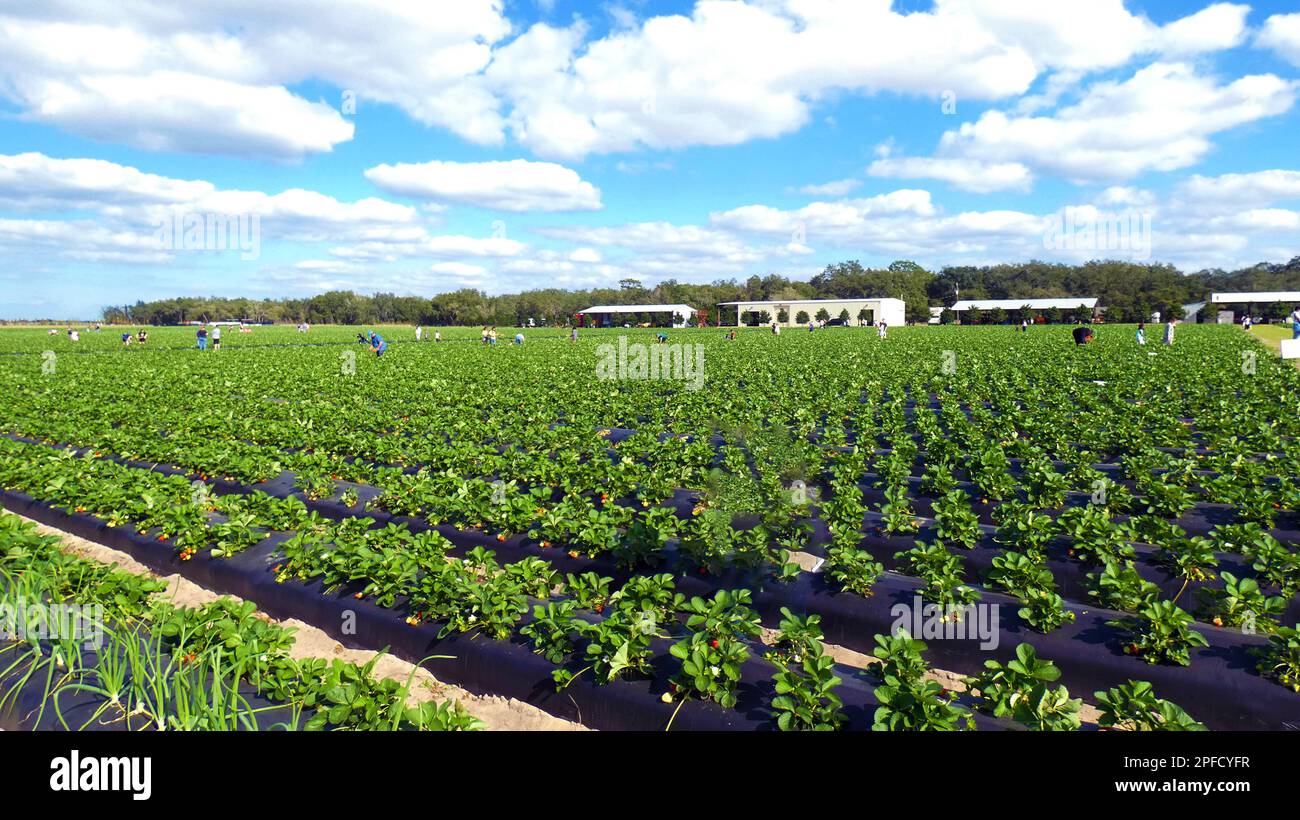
(1044, 487)
(552, 630)
(727, 614)
(1281, 658)
(855, 570)
(589, 590)
(1278, 566)
(1160, 632)
(617, 646)
(897, 513)
(942, 572)
(1119, 586)
(1022, 690)
(956, 523)
(798, 636)
(1133, 706)
(805, 698)
(1241, 603)
(711, 667)
(1033, 585)
(1020, 527)
(899, 656)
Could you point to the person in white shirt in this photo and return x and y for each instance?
(216, 337)
(419, 331)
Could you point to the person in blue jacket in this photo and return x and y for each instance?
(377, 344)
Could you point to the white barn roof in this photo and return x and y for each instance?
(639, 309)
(1032, 304)
(812, 301)
(1258, 297)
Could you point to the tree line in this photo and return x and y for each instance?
(1129, 291)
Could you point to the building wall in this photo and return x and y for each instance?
(890, 311)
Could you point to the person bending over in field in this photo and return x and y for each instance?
(377, 344)
(1082, 335)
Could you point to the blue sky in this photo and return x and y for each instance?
(533, 144)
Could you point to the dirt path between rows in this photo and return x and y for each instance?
(498, 713)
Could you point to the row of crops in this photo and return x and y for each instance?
(636, 553)
(141, 663)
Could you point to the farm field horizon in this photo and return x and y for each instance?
(462, 384)
(701, 549)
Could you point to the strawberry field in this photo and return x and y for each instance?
(1106, 531)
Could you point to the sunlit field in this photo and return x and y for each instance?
(684, 542)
